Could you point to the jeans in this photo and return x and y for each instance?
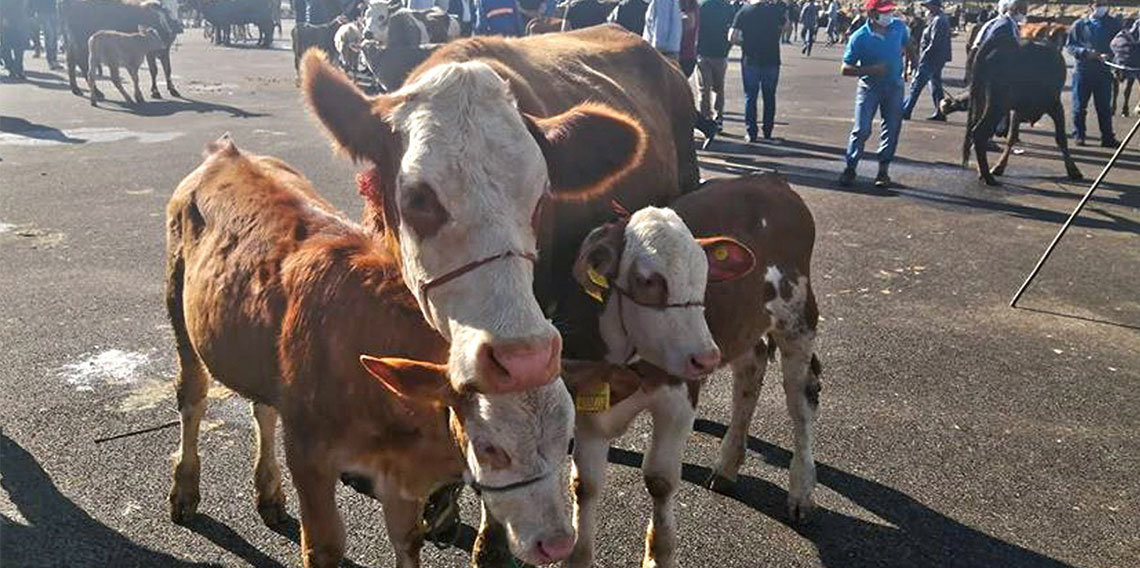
(926, 72)
(760, 79)
(808, 34)
(884, 97)
(710, 77)
(1098, 84)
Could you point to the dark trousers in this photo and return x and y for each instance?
(931, 72)
(808, 33)
(13, 42)
(49, 23)
(301, 11)
(1098, 85)
(760, 80)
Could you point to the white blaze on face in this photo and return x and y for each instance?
(376, 20)
(660, 248)
(470, 157)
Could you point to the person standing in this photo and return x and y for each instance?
(809, 23)
(875, 54)
(757, 29)
(14, 36)
(47, 18)
(833, 22)
(585, 13)
(663, 28)
(1089, 43)
(934, 54)
(630, 14)
(712, 56)
(499, 17)
(465, 13)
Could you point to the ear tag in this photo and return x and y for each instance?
(595, 398)
(720, 254)
(595, 294)
(597, 278)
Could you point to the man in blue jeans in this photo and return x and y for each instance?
(934, 54)
(1089, 43)
(757, 29)
(875, 55)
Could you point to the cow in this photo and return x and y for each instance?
(120, 50)
(496, 150)
(1047, 33)
(544, 25)
(646, 290)
(224, 14)
(1025, 78)
(346, 42)
(82, 18)
(390, 66)
(404, 27)
(275, 294)
(318, 36)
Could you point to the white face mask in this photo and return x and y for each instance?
(884, 19)
(1019, 18)
(1100, 11)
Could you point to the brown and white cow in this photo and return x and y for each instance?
(658, 287)
(276, 295)
(491, 152)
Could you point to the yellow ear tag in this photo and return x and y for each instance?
(597, 278)
(593, 399)
(595, 294)
(721, 254)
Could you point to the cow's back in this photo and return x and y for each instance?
(86, 17)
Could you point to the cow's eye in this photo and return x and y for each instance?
(421, 209)
(492, 456)
(651, 290)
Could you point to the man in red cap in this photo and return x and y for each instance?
(875, 55)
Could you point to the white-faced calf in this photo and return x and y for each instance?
(274, 294)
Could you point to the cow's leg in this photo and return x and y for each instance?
(1014, 127)
(672, 422)
(747, 378)
(134, 73)
(402, 519)
(315, 477)
(164, 58)
(266, 471)
(190, 388)
(153, 68)
(73, 56)
(117, 81)
(801, 370)
(1057, 113)
(982, 132)
(490, 549)
(590, 450)
(92, 91)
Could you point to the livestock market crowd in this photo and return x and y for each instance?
(415, 365)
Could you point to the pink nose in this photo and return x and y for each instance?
(519, 365)
(555, 549)
(703, 363)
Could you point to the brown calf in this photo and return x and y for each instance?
(118, 49)
(276, 295)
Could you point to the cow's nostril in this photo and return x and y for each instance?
(555, 549)
(706, 361)
(523, 364)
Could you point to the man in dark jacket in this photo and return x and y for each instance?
(585, 13)
(809, 22)
(757, 30)
(630, 14)
(934, 54)
(1089, 43)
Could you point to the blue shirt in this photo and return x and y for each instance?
(867, 47)
(1089, 37)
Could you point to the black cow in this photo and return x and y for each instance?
(224, 14)
(1021, 80)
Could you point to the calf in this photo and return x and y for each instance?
(1025, 78)
(118, 49)
(347, 42)
(320, 36)
(273, 293)
(649, 273)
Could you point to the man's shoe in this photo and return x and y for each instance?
(847, 177)
(752, 139)
(937, 117)
(1110, 143)
(883, 180)
(1081, 142)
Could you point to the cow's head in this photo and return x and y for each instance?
(515, 448)
(461, 176)
(376, 19)
(651, 274)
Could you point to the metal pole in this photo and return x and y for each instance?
(1081, 205)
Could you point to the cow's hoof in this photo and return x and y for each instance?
(272, 511)
(174, 92)
(99, 96)
(990, 181)
(719, 483)
(183, 506)
(1075, 175)
(154, 94)
(998, 171)
(76, 91)
(800, 510)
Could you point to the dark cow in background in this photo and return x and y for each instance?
(320, 36)
(1022, 80)
(83, 18)
(224, 14)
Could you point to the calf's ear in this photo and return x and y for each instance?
(356, 123)
(728, 258)
(598, 259)
(418, 381)
(588, 148)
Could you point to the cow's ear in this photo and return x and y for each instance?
(418, 381)
(599, 258)
(728, 258)
(588, 148)
(357, 123)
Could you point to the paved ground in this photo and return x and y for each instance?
(955, 431)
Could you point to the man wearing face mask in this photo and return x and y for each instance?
(1089, 43)
(875, 55)
(934, 54)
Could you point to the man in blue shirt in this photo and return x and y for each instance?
(875, 55)
(1089, 43)
(933, 55)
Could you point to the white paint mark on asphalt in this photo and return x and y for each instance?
(10, 511)
(146, 191)
(5, 227)
(89, 135)
(269, 132)
(109, 367)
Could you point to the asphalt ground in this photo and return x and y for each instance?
(955, 431)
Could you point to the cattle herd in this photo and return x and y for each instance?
(538, 264)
